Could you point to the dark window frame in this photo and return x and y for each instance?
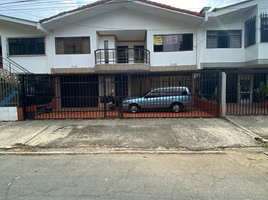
(161, 48)
(26, 46)
(250, 32)
(224, 39)
(72, 45)
(264, 27)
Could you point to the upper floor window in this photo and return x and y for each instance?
(26, 46)
(73, 45)
(250, 32)
(224, 39)
(166, 43)
(264, 27)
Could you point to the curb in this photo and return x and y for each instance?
(248, 132)
(111, 152)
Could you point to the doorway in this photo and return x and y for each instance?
(122, 54)
(139, 54)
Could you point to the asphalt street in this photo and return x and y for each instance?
(236, 175)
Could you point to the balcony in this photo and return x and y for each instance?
(121, 56)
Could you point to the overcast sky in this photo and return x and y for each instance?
(38, 9)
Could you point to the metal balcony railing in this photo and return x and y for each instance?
(122, 55)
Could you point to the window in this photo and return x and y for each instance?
(250, 32)
(73, 45)
(166, 43)
(224, 39)
(26, 46)
(264, 27)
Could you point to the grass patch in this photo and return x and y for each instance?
(260, 142)
(263, 136)
(263, 144)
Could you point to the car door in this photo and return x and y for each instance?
(152, 100)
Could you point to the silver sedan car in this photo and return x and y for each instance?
(174, 98)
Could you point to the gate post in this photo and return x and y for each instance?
(104, 96)
(23, 97)
(223, 94)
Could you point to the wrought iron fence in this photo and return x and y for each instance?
(9, 91)
(247, 92)
(187, 94)
(122, 55)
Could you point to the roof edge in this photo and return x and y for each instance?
(172, 8)
(100, 2)
(216, 9)
(18, 20)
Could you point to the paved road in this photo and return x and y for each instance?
(235, 175)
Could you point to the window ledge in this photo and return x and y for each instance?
(27, 55)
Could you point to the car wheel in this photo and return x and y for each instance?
(133, 108)
(176, 107)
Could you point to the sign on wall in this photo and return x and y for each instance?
(158, 40)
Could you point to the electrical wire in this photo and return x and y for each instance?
(114, 28)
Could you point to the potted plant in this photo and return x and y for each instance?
(262, 92)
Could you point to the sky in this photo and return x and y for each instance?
(35, 10)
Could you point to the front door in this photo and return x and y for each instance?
(122, 54)
(245, 91)
(139, 54)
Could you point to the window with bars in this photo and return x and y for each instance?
(250, 32)
(224, 39)
(72, 45)
(167, 43)
(264, 27)
(26, 46)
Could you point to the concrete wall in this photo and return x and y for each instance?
(8, 114)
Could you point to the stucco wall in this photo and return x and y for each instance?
(124, 20)
(35, 64)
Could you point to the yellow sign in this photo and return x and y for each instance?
(158, 40)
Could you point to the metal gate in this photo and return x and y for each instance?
(136, 95)
(247, 92)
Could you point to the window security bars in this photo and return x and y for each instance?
(160, 95)
(224, 39)
(122, 55)
(264, 27)
(72, 45)
(167, 43)
(250, 32)
(26, 46)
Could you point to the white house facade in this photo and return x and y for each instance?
(115, 36)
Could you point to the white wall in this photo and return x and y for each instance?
(223, 55)
(35, 64)
(235, 21)
(124, 20)
(8, 114)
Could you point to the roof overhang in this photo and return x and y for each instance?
(105, 6)
(125, 35)
(17, 20)
(235, 9)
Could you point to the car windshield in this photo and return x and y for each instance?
(146, 93)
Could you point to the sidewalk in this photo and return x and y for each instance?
(121, 135)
